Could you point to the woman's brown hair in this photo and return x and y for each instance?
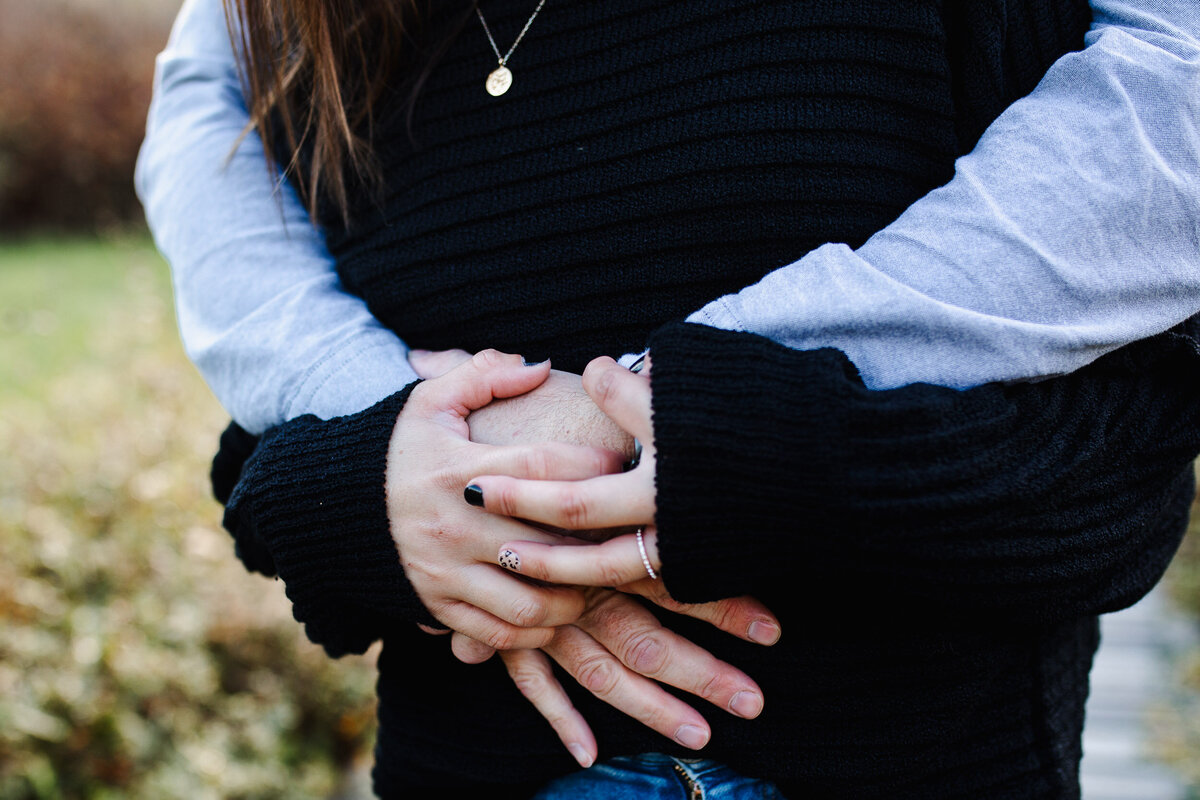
(314, 71)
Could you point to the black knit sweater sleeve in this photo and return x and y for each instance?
(309, 505)
(1034, 501)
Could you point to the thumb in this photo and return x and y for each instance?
(435, 363)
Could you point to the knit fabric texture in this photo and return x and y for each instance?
(937, 558)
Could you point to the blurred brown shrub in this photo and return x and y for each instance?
(138, 658)
(74, 88)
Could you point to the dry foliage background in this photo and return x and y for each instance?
(74, 87)
(138, 659)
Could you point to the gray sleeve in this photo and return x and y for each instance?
(261, 310)
(1071, 229)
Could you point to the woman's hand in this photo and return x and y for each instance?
(620, 652)
(447, 548)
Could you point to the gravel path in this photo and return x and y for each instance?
(1131, 675)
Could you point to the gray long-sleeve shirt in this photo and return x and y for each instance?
(1072, 228)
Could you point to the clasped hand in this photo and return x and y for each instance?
(458, 429)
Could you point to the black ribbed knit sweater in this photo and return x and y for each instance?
(937, 558)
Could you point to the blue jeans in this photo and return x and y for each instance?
(653, 776)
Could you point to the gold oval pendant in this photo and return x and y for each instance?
(499, 81)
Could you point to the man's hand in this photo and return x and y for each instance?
(620, 652)
(559, 410)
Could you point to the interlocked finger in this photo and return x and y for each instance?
(488, 630)
(744, 617)
(641, 642)
(544, 462)
(613, 563)
(608, 501)
(601, 673)
(530, 671)
(517, 601)
(469, 651)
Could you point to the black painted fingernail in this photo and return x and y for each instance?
(533, 363)
(473, 495)
(636, 366)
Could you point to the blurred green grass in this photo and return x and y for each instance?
(58, 298)
(138, 659)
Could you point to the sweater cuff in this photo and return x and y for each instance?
(736, 493)
(313, 496)
(778, 469)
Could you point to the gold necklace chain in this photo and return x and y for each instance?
(500, 79)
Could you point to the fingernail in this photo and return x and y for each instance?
(581, 755)
(746, 704)
(508, 559)
(533, 363)
(473, 495)
(691, 736)
(760, 632)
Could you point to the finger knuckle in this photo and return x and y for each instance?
(478, 650)
(605, 462)
(420, 401)
(446, 478)
(726, 613)
(657, 594)
(488, 359)
(536, 463)
(531, 682)
(599, 675)
(574, 509)
(505, 499)
(613, 614)
(711, 686)
(500, 638)
(539, 637)
(645, 653)
(610, 572)
(605, 386)
(657, 717)
(528, 612)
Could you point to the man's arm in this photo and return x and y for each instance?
(261, 310)
(1071, 229)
